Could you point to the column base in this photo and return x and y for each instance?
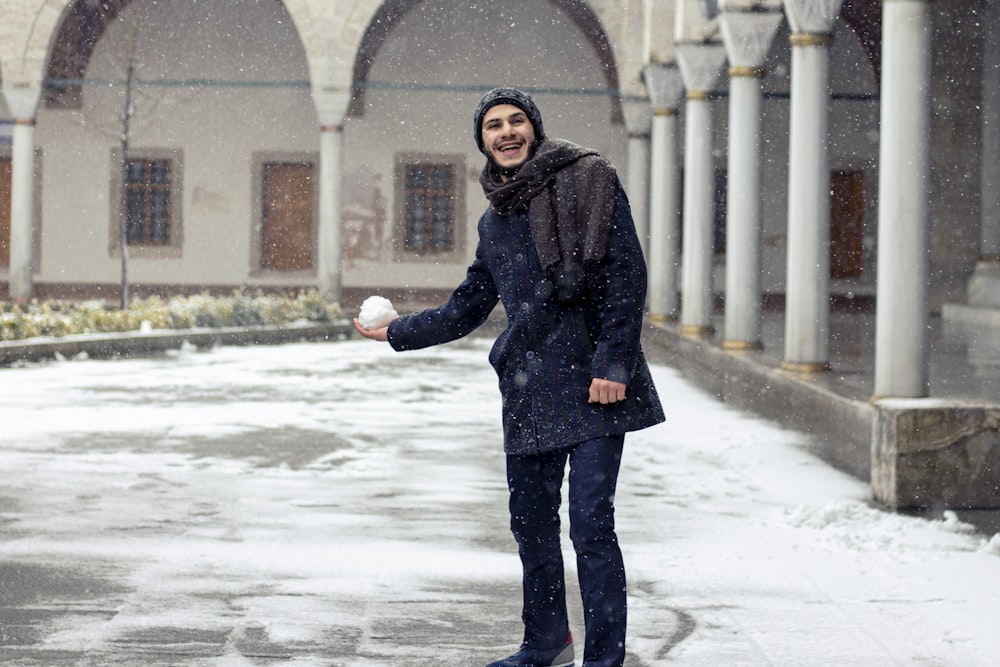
(805, 366)
(661, 319)
(742, 345)
(697, 330)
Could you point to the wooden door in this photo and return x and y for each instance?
(4, 212)
(287, 224)
(847, 215)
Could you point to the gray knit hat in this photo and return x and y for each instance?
(506, 96)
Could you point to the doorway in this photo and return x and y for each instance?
(847, 215)
(287, 216)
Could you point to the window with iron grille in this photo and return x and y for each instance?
(148, 201)
(430, 207)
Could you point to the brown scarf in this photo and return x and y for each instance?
(569, 193)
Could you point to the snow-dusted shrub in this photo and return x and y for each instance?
(63, 318)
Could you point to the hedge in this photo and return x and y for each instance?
(63, 318)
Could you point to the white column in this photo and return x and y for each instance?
(637, 122)
(331, 107)
(747, 37)
(984, 286)
(22, 101)
(666, 90)
(902, 313)
(700, 65)
(807, 308)
(328, 236)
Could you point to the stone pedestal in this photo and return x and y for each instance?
(984, 286)
(930, 453)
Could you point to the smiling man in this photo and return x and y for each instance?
(557, 246)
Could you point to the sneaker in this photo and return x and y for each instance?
(531, 657)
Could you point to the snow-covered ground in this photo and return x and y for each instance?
(342, 504)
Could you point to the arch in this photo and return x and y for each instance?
(392, 11)
(82, 26)
(865, 19)
(25, 47)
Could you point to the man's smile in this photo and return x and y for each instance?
(509, 146)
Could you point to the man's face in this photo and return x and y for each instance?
(508, 136)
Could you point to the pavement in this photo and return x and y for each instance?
(118, 548)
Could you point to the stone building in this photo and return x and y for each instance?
(796, 153)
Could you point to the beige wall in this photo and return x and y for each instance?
(217, 130)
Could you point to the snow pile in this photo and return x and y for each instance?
(955, 525)
(993, 546)
(376, 312)
(858, 526)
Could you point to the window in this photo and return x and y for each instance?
(431, 201)
(147, 202)
(152, 200)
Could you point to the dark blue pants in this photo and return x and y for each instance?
(535, 484)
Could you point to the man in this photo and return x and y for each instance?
(558, 248)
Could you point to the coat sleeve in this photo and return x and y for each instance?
(620, 312)
(467, 308)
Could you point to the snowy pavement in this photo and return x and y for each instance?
(341, 504)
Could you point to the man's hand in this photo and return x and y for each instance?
(382, 333)
(605, 391)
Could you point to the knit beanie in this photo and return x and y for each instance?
(506, 96)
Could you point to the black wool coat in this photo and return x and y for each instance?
(551, 348)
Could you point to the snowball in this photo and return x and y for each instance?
(376, 312)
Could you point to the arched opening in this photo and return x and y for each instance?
(393, 11)
(82, 27)
(865, 19)
(220, 133)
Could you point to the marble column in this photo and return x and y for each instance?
(331, 107)
(700, 65)
(666, 91)
(984, 286)
(637, 122)
(807, 299)
(747, 37)
(22, 100)
(902, 348)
